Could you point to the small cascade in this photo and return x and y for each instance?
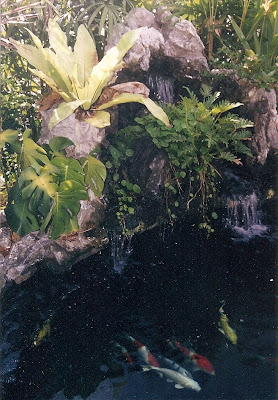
(162, 87)
(244, 216)
(120, 250)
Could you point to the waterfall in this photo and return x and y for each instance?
(243, 215)
(162, 87)
(120, 250)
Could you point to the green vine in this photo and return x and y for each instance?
(202, 134)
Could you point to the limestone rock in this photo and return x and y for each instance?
(263, 105)
(85, 136)
(27, 255)
(163, 41)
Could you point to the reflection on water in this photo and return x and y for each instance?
(169, 290)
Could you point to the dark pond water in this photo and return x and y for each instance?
(172, 286)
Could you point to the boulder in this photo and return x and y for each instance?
(27, 255)
(163, 41)
(85, 136)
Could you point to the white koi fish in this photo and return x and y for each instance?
(181, 380)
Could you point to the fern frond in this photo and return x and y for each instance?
(192, 95)
(224, 106)
(242, 134)
(242, 123)
(242, 148)
(228, 156)
(205, 90)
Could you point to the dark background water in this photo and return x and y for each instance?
(172, 285)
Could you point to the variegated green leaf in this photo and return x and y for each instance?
(103, 71)
(62, 216)
(32, 154)
(63, 111)
(95, 175)
(100, 119)
(20, 219)
(8, 136)
(58, 42)
(85, 55)
(70, 169)
(136, 97)
(39, 189)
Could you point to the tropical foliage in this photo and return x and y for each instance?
(80, 79)
(203, 134)
(49, 186)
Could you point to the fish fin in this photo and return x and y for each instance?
(160, 374)
(169, 380)
(221, 330)
(146, 368)
(178, 386)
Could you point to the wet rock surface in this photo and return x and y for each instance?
(58, 255)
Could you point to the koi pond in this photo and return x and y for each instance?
(94, 333)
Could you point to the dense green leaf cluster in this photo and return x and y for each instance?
(123, 192)
(50, 186)
(202, 134)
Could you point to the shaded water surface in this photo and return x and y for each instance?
(172, 286)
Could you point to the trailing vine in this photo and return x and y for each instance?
(202, 134)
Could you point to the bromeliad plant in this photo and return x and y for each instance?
(50, 185)
(202, 134)
(82, 81)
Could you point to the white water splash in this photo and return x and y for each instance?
(244, 216)
(120, 251)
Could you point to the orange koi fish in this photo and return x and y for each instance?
(146, 356)
(199, 361)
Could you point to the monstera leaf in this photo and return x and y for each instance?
(38, 189)
(70, 169)
(8, 136)
(57, 145)
(32, 154)
(62, 216)
(20, 219)
(95, 175)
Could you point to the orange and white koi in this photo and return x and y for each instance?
(125, 353)
(146, 356)
(199, 361)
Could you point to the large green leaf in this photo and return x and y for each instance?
(19, 217)
(32, 155)
(70, 169)
(58, 143)
(8, 136)
(100, 119)
(95, 175)
(63, 111)
(137, 97)
(85, 55)
(62, 216)
(58, 42)
(104, 70)
(38, 189)
(44, 60)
